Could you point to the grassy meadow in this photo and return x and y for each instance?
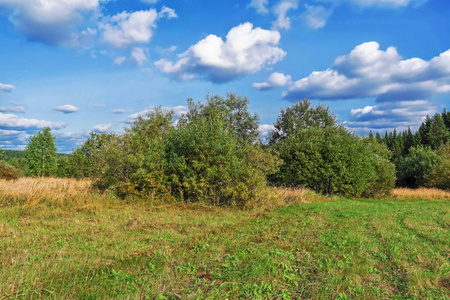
(61, 240)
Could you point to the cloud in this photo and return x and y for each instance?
(139, 56)
(246, 50)
(167, 12)
(11, 121)
(370, 72)
(119, 111)
(388, 3)
(260, 6)
(6, 87)
(275, 80)
(387, 116)
(65, 141)
(149, 1)
(126, 29)
(19, 109)
(118, 61)
(264, 129)
(102, 127)
(51, 22)
(280, 10)
(67, 109)
(177, 110)
(316, 16)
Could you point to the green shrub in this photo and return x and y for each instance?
(8, 172)
(413, 169)
(439, 175)
(332, 160)
(212, 155)
(206, 161)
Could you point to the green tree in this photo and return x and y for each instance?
(438, 134)
(439, 174)
(233, 111)
(300, 115)
(333, 160)
(412, 169)
(41, 154)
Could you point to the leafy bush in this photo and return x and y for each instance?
(8, 172)
(206, 161)
(439, 175)
(300, 115)
(413, 169)
(211, 155)
(332, 160)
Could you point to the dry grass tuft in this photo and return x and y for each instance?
(275, 197)
(421, 193)
(56, 191)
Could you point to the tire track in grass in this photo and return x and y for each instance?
(429, 240)
(397, 275)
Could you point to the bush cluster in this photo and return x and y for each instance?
(332, 160)
(8, 172)
(211, 155)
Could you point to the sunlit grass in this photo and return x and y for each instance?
(62, 240)
(421, 193)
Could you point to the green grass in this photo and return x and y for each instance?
(342, 249)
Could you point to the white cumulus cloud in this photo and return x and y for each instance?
(370, 72)
(130, 28)
(67, 109)
(6, 87)
(245, 50)
(50, 21)
(16, 122)
(126, 29)
(275, 80)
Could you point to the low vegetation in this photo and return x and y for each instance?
(61, 240)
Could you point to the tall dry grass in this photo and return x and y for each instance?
(421, 193)
(58, 192)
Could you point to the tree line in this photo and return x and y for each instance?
(214, 153)
(421, 158)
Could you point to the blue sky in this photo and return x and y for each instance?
(94, 65)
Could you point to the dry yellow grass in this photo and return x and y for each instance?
(60, 192)
(421, 193)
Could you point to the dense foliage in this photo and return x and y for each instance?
(214, 153)
(300, 115)
(333, 161)
(419, 157)
(210, 155)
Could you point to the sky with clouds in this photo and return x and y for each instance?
(78, 66)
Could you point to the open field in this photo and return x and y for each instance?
(59, 240)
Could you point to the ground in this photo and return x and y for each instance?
(60, 240)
